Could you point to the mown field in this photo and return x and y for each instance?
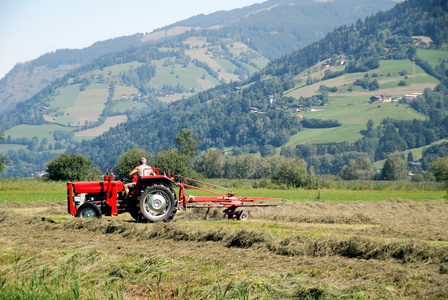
(384, 243)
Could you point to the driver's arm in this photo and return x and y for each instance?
(136, 170)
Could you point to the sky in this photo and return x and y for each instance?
(30, 28)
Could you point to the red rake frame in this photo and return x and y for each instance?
(228, 200)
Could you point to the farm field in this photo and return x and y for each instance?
(353, 117)
(377, 247)
(352, 107)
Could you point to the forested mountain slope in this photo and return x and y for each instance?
(273, 28)
(313, 104)
(277, 27)
(222, 116)
(26, 79)
(115, 88)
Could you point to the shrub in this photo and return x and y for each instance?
(72, 167)
(292, 173)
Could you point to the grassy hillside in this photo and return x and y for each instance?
(351, 105)
(79, 112)
(72, 107)
(274, 27)
(369, 70)
(27, 79)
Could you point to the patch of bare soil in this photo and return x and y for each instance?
(392, 249)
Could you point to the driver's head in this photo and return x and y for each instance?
(142, 160)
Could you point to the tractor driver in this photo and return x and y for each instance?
(140, 171)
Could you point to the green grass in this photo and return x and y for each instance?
(124, 106)
(260, 62)
(34, 190)
(325, 135)
(187, 77)
(65, 98)
(6, 147)
(97, 86)
(121, 68)
(40, 131)
(432, 56)
(66, 121)
(391, 67)
(410, 82)
(226, 65)
(353, 118)
(29, 196)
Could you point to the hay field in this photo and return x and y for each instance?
(108, 124)
(391, 249)
(89, 105)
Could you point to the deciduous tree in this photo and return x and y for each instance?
(440, 169)
(394, 167)
(210, 163)
(187, 143)
(359, 169)
(179, 161)
(128, 161)
(292, 173)
(72, 167)
(3, 159)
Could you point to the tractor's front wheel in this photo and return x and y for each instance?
(158, 203)
(88, 210)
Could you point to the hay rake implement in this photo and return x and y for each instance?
(152, 198)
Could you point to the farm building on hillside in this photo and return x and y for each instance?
(386, 98)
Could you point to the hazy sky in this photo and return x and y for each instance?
(30, 28)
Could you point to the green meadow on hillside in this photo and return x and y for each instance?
(352, 108)
(432, 56)
(416, 153)
(30, 131)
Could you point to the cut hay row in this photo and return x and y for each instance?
(296, 245)
(393, 249)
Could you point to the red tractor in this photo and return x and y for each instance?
(151, 199)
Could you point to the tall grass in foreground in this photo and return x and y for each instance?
(59, 282)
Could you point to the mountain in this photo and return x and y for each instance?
(272, 28)
(278, 27)
(26, 79)
(257, 114)
(341, 80)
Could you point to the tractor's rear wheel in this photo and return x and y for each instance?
(158, 203)
(242, 215)
(88, 210)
